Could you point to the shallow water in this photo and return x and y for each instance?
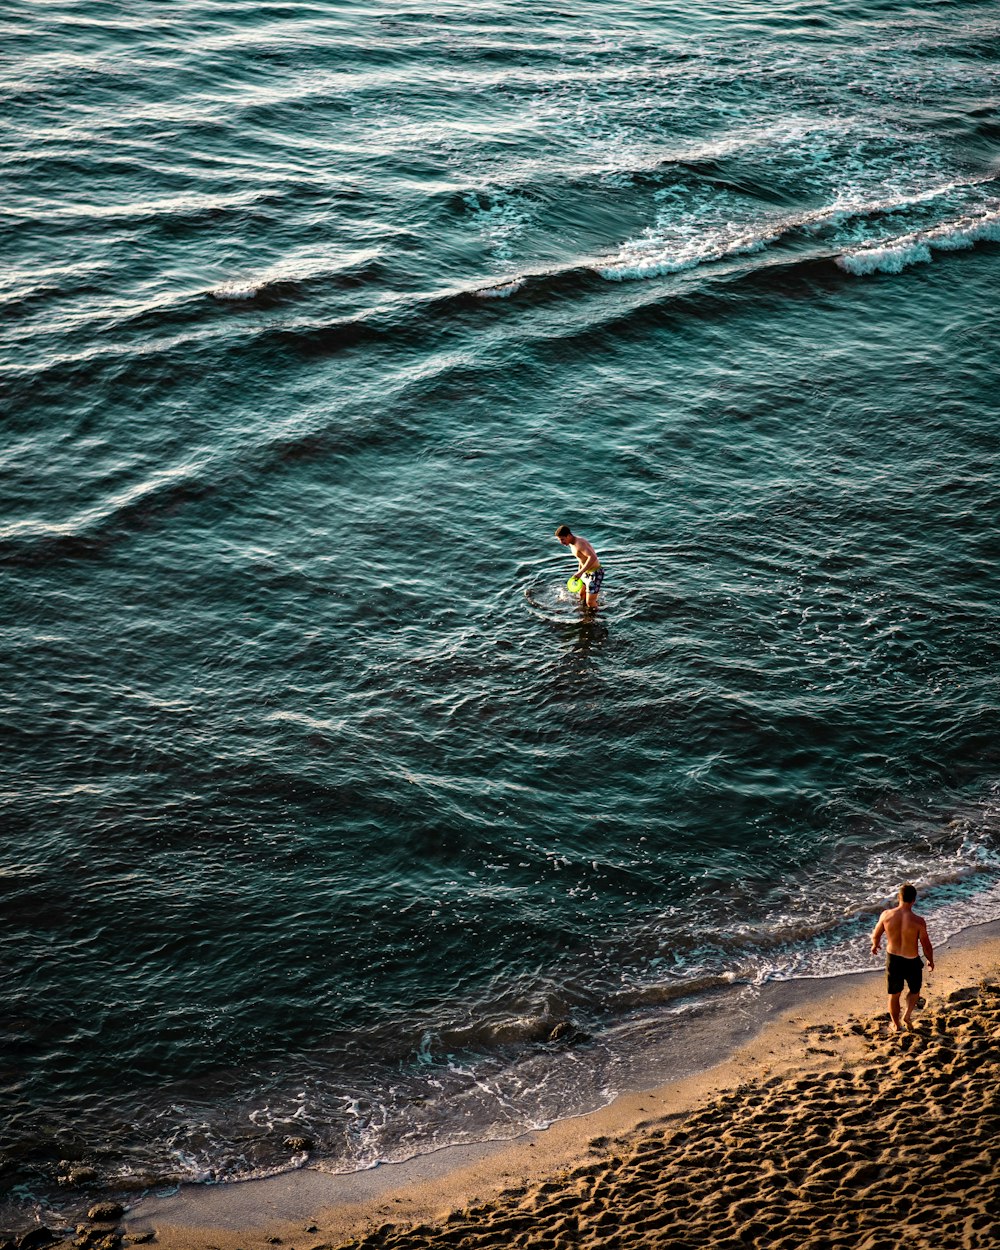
(324, 806)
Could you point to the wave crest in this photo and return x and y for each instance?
(290, 278)
(917, 248)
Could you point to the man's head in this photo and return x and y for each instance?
(907, 893)
(565, 535)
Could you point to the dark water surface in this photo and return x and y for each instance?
(323, 807)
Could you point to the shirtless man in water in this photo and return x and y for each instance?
(590, 571)
(903, 930)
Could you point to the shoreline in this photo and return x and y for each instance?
(805, 1029)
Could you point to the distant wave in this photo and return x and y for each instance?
(502, 290)
(292, 277)
(812, 237)
(651, 257)
(33, 542)
(896, 254)
(103, 334)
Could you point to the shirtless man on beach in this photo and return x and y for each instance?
(590, 571)
(903, 930)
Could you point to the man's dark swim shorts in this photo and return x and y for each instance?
(899, 969)
(592, 581)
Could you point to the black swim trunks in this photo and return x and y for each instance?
(592, 581)
(899, 969)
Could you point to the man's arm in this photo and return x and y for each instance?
(925, 942)
(877, 935)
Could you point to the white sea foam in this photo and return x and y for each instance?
(639, 260)
(238, 291)
(895, 255)
(501, 217)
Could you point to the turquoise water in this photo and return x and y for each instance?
(325, 807)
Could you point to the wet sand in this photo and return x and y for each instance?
(826, 1131)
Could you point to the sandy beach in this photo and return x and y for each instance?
(824, 1130)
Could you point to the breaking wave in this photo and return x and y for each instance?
(917, 248)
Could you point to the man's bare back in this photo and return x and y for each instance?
(904, 929)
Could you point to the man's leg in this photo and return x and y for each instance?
(593, 588)
(912, 998)
(894, 1010)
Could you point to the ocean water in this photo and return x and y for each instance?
(327, 815)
